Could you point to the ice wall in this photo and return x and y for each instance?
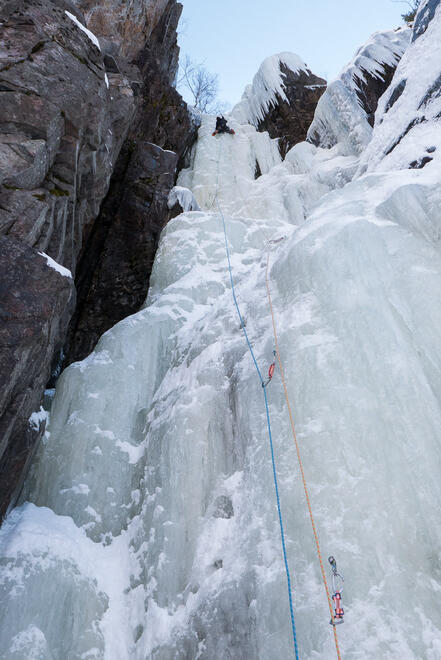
(340, 118)
(407, 130)
(148, 524)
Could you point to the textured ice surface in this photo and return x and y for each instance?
(184, 197)
(148, 522)
(407, 124)
(339, 117)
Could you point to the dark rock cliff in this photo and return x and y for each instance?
(115, 267)
(290, 119)
(87, 133)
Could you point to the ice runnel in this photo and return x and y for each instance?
(148, 526)
(264, 384)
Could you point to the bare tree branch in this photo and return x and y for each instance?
(202, 85)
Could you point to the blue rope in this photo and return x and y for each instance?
(282, 532)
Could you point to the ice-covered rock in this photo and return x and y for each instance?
(346, 110)
(407, 130)
(425, 13)
(181, 200)
(281, 99)
(268, 83)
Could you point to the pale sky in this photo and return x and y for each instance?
(233, 37)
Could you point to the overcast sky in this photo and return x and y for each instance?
(233, 37)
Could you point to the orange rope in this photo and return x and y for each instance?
(300, 460)
(291, 419)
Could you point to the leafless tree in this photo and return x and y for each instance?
(201, 84)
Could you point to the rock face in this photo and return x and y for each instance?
(88, 125)
(60, 129)
(35, 306)
(114, 272)
(281, 99)
(289, 119)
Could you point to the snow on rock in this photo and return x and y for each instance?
(184, 197)
(38, 417)
(84, 29)
(382, 50)
(407, 130)
(425, 13)
(282, 100)
(266, 86)
(65, 272)
(345, 112)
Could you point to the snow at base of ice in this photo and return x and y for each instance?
(148, 520)
(83, 28)
(268, 83)
(65, 272)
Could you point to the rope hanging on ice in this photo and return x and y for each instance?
(279, 510)
(337, 616)
(305, 487)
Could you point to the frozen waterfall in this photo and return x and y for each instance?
(148, 528)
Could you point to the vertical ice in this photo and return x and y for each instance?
(148, 526)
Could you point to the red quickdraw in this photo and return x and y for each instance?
(270, 372)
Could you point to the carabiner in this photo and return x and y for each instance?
(336, 596)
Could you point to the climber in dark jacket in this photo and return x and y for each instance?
(221, 126)
(221, 123)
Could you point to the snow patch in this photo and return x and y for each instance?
(65, 272)
(184, 197)
(37, 418)
(84, 29)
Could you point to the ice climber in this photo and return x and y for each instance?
(221, 126)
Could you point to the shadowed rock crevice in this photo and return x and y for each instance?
(114, 271)
(370, 88)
